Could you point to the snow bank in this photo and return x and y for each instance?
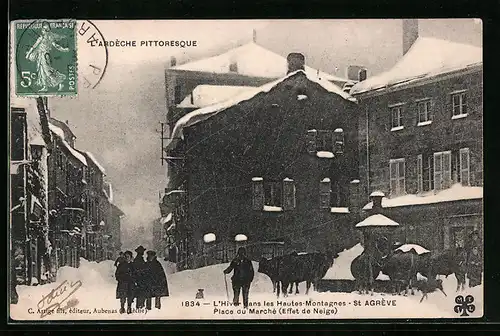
(426, 58)
(417, 248)
(211, 279)
(341, 269)
(455, 193)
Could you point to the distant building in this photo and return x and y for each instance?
(30, 142)
(281, 169)
(421, 140)
(93, 234)
(111, 231)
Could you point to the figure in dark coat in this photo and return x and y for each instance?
(120, 259)
(157, 281)
(475, 269)
(126, 283)
(242, 276)
(140, 274)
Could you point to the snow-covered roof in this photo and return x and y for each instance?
(209, 111)
(251, 60)
(428, 57)
(377, 220)
(98, 165)
(206, 95)
(417, 248)
(455, 193)
(60, 133)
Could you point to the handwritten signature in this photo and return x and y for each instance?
(52, 301)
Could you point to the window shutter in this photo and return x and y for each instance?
(338, 135)
(446, 169)
(401, 177)
(393, 177)
(325, 188)
(420, 181)
(288, 194)
(311, 141)
(465, 166)
(257, 194)
(438, 171)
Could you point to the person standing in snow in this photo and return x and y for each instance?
(140, 274)
(126, 283)
(120, 259)
(156, 281)
(242, 277)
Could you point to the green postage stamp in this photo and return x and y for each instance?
(45, 57)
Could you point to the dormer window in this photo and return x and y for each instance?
(233, 67)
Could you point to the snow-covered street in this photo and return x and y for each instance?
(95, 299)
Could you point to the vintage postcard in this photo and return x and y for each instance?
(246, 169)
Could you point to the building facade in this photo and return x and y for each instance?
(67, 184)
(421, 142)
(29, 226)
(282, 168)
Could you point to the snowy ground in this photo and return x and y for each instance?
(95, 298)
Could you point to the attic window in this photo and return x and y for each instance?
(233, 67)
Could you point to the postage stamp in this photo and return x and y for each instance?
(46, 57)
(250, 170)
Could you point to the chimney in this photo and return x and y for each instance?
(356, 73)
(173, 61)
(410, 33)
(296, 61)
(67, 122)
(376, 198)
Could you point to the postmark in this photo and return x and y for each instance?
(46, 58)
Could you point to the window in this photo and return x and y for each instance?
(396, 117)
(397, 176)
(324, 193)
(272, 193)
(424, 112)
(177, 94)
(442, 170)
(425, 173)
(325, 141)
(464, 167)
(18, 135)
(280, 195)
(459, 104)
(288, 194)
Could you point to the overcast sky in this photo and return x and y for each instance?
(119, 120)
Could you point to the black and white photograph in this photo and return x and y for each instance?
(246, 169)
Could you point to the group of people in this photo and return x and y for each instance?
(140, 280)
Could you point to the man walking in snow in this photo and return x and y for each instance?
(156, 281)
(242, 276)
(140, 274)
